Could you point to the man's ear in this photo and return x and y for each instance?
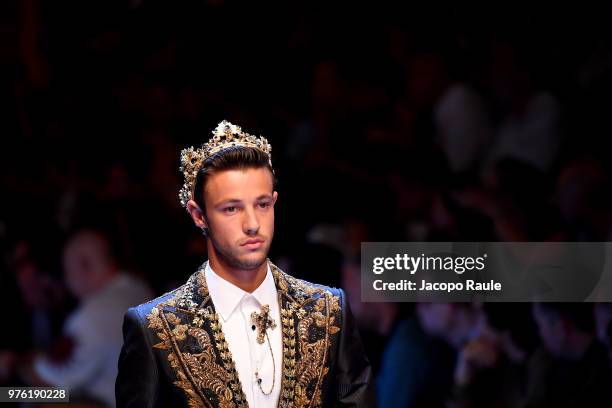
(197, 214)
(274, 197)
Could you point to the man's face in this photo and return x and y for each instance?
(86, 263)
(240, 214)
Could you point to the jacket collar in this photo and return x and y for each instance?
(195, 293)
(227, 296)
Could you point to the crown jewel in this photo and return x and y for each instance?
(226, 135)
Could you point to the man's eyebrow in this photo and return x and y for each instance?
(228, 201)
(238, 201)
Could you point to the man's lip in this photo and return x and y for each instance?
(252, 241)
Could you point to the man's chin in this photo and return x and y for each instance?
(253, 260)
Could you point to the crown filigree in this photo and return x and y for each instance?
(226, 135)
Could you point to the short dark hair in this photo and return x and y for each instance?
(231, 158)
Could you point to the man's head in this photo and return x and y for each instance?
(233, 203)
(89, 263)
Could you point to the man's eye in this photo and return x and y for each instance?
(229, 209)
(264, 205)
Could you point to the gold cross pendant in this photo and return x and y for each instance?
(262, 321)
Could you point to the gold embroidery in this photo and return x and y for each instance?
(304, 368)
(207, 372)
(228, 362)
(197, 374)
(314, 342)
(289, 356)
(178, 362)
(194, 400)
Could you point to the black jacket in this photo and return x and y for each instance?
(175, 355)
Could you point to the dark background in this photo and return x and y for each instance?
(387, 124)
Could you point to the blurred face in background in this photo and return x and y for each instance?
(240, 215)
(88, 264)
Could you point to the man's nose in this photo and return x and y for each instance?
(251, 223)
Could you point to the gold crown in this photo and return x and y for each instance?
(226, 135)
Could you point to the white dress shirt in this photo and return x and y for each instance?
(235, 306)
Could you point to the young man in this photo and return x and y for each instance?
(240, 332)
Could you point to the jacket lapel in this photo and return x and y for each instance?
(308, 315)
(189, 329)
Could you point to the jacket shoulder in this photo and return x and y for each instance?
(303, 289)
(144, 309)
(317, 287)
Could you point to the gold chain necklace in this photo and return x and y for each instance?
(262, 321)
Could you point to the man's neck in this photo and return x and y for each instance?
(246, 279)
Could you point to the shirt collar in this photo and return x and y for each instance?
(226, 296)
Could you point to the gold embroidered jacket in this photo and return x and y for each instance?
(175, 354)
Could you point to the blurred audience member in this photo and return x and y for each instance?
(41, 293)
(463, 127)
(39, 302)
(490, 368)
(571, 370)
(529, 128)
(416, 368)
(85, 360)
